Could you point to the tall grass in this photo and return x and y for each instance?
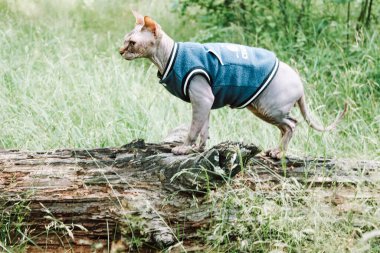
(291, 218)
(63, 83)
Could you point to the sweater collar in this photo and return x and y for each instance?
(170, 64)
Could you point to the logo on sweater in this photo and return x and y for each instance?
(239, 50)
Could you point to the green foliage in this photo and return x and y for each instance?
(290, 21)
(13, 228)
(63, 83)
(135, 233)
(288, 219)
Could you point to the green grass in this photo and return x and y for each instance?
(63, 84)
(13, 232)
(291, 218)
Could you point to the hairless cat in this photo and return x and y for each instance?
(213, 75)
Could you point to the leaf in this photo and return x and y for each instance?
(80, 227)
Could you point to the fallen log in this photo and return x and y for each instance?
(89, 196)
(85, 199)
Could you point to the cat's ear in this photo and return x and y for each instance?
(151, 25)
(139, 18)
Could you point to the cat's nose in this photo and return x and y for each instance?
(121, 50)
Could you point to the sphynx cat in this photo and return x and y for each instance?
(273, 104)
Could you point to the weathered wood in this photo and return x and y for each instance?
(141, 191)
(318, 171)
(87, 196)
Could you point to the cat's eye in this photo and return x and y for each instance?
(132, 43)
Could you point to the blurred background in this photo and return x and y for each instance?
(63, 83)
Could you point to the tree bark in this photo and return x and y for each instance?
(79, 197)
(81, 200)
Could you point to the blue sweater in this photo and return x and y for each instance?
(237, 74)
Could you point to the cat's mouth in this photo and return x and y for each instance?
(128, 56)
